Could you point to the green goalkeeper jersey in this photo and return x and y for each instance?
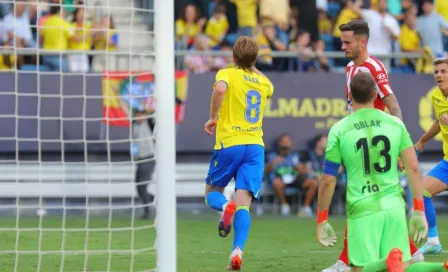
(368, 143)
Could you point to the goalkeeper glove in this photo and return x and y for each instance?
(418, 226)
(325, 233)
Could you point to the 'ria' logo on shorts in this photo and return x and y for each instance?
(370, 188)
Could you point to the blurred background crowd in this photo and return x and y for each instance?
(309, 28)
(303, 32)
(55, 26)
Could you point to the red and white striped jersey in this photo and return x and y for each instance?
(376, 68)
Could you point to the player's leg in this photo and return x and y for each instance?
(247, 185)
(342, 265)
(394, 263)
(395, 236)
(364, 235)
(394, 249)
(434, 182)
(223, 166)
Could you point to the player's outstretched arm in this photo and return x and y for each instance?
(418, 226)
(325, 233)
(431, 133)
(217, 98)
(392, 106)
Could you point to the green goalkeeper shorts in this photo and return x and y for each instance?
(372, 237)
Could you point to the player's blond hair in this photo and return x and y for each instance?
(245, 52)
(440, 61)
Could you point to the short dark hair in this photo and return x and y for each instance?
(428, 1)
(362, 88)
(359, 27)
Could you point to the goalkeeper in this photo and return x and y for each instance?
(369, 143)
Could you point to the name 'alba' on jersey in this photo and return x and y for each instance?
(240, 117)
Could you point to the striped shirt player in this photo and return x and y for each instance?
(376, 68)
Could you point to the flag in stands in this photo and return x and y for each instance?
(137, 91)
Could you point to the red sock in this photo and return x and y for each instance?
(344, 254)
(413, 246)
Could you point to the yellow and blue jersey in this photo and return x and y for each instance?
(240, 117)
(440, 104)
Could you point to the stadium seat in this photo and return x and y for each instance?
(32, 67)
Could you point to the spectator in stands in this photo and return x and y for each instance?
(314, 163)
(442, 9)
(284, 169)
(276, 13)
(55, 35)
(35, 13)
(324, 23)
(196, 63)
(142, 151)
(276, 45)
(384, 28)
(18, 30)
(302, 46)
(322, 60)
(430, 26)
(79, 62)
(189, 27)
(264, 60)
(247, 16)
(105, 39)
(406, 5)
(293, 25)
(346, 15)
(304, 49)
(409, 39)
(223, 62)
(217, 26)
(4, 9)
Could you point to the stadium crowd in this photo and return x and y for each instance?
(289, 171)
(311, 26)
(57, 26)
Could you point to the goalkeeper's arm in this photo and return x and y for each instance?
(326, 191)
(410, 161)
(325, 233)
(418, 226)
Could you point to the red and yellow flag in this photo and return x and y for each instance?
(136, 91)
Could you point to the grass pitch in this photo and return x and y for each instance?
(275, 244)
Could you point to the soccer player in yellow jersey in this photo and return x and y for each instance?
(437, 179)
(236, 112)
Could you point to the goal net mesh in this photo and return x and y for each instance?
(71, 136)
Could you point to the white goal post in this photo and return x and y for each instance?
(165, 136)
(68, 196)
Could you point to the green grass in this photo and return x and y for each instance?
(275, 244)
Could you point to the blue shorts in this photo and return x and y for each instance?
(245, 163)
(440, 171)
